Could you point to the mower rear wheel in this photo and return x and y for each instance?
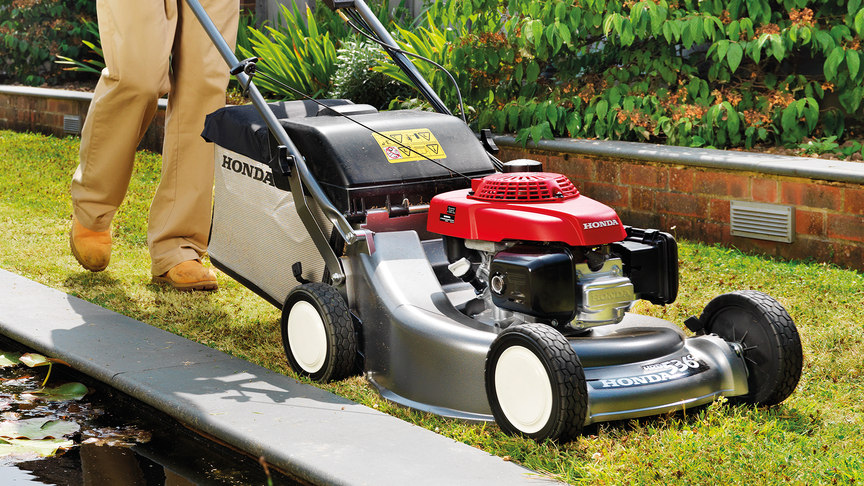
(767, 337)
(318, 333)
(535, 383)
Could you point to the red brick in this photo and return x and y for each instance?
(846, 227)
(713, 232)
(764, 190)
(641, 219)
(756, 245)
(610, 194)
(722, 184)
(811, 195)
(848, 255)
(807, 247)
(40, 104)
(682, 205)
(606, 171)
(853, 201)
(809, 223)
(644, 175)
(642, 199)
(718, 210)
(5, 101)
(681, 180)
(506, 154)
(572, 167)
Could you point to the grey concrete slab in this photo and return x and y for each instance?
(313, 434)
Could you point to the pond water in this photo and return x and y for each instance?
(119, 441)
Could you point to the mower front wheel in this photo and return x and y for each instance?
(767, 337)
(535, 383)
(318, 333)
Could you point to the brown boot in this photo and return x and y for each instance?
(189, 275)
(92, 249)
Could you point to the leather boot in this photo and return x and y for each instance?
(92, 249)
(189, 275)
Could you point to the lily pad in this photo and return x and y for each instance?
(9, 359)
(37, 428)
(68, 391)
(28, 449)
(35, 359)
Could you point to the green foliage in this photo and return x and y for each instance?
(34, 34)
(294, 53)
(432, 43)
(95, 64)
(355, 80)
(686, 72)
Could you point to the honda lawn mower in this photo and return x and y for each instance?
(396, 244)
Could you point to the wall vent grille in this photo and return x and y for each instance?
(763, 221)
(72, 124)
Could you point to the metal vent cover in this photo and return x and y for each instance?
(763, 221)
(72, 124)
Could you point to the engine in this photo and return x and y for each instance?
(536, 250)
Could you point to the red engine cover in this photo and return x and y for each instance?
(526, 206)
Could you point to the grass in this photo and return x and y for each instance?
(815, 437)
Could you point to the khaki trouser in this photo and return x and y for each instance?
(154, 47)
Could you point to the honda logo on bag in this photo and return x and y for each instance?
(248, 170)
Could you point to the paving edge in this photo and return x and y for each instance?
(307, 432)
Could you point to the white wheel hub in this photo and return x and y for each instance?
(307, 337)
(523, 389)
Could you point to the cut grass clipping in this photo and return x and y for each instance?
(814, 437)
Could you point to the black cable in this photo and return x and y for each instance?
(390, 48)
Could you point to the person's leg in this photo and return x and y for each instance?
(136, 39)
(179, 223)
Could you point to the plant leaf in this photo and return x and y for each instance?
(853, 61)
(9, 359)
(734, 54)
(37, 428)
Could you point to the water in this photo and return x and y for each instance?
(121, 441)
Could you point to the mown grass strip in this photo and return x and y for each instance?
(815, 437)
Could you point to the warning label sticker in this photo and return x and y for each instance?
(408, 145)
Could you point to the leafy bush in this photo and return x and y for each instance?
(685, 72)
(97, 59)
(355, 80)
(295, 54)
(35, 32)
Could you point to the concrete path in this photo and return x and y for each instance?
(309, 433)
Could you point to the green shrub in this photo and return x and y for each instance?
(34, 32)
(686, 72)
(295, 54)
(357, 81)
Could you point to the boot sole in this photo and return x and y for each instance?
(206, 285)
(81, 260)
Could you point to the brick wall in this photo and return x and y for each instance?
(44, 112)
(694, 202)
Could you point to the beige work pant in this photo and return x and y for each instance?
(154, 47)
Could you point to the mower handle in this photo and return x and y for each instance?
(301, 177)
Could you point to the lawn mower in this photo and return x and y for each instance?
(398, 246)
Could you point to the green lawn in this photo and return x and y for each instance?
(815, 437)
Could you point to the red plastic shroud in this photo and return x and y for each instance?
(524, 206)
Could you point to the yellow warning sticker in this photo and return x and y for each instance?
(407, 145)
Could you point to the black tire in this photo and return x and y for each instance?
(768, 338)
(554, 369)
(318, 333)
